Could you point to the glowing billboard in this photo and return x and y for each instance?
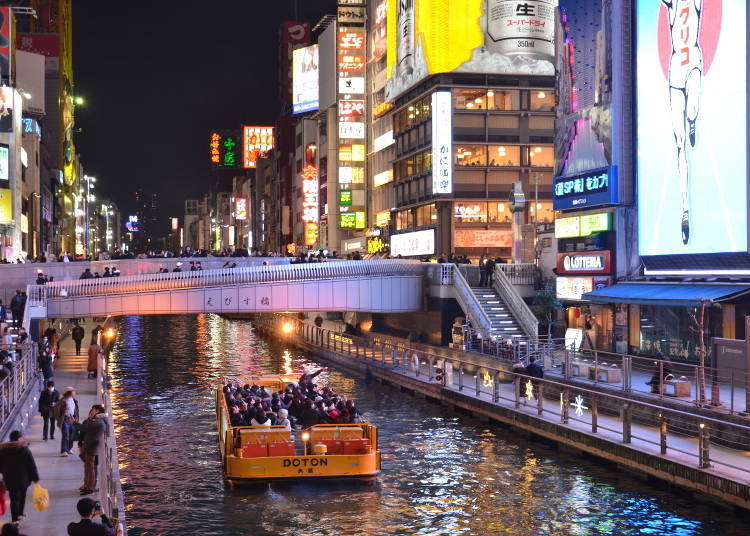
(442, 140)
(240, 208)
(310, 203)
(305, 79)
(691, 127)
(426, 37)
(256, 143)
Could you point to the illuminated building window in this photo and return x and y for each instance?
(541, 156)
(426, 215)
(498, 213)
(404, 220)
(542, 100)
(503, 99)
(470, 99)
(504, 155)
(542, 212)
(414, 114)
(413, 165)
(470, 212)
(470, 155)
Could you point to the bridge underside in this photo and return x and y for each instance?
(394, 294)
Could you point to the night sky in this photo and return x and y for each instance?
(158, 76)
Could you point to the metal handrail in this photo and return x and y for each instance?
(470, 304)
(519, 274)
(404, 359)
(25, 376)
(520, 311)
(228, 276)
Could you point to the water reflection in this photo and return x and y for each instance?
(442, 474)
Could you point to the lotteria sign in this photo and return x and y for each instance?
(589, 262)
(591, 189)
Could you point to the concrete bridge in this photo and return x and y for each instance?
(394, 286)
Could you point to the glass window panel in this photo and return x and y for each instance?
(471, 155)
(498, 212)
(503, 99)
(542, 211)
(470, 99)
(470, 212)
(541, 156)
(542, 100)
(504, 155)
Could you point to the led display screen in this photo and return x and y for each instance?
(305, 79)
(692, 161)
(426, 37)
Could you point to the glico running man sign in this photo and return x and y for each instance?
(590, 189)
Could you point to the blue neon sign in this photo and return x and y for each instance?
(590, 189)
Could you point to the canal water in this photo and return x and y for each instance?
(442, 473)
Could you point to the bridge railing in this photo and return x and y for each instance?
(223, 277)
(690, 435)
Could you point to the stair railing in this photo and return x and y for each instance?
(470, 304)
(525, 318)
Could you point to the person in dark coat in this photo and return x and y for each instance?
(19, 470)
(15, 308)
(48, 399)
(87, 509)
(46, 358)
(309, 416)
(77, 334)
(490, 269)
(534, 370)
(666, 370)
(93, 430)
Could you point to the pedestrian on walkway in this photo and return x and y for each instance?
(3, 317)
(19, 471)
(93, 430)
(15, 309)
(77, 334)
(534, 370)
(656, 382)
(66, 414)
(95, 352)
(482, 271)
(489, 266)
(46, 358)
(87, 509)
(48, 401)
(7, 340)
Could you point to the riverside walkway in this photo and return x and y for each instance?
(673, 445)
(62, 476)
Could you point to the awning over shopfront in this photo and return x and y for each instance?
(674, 295)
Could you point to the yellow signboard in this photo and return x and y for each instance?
(426, 37)
(6, 206)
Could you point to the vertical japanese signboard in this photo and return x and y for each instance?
(351, 50)
(256, 143)
(5, 34)
(310, 204)
(442, 162)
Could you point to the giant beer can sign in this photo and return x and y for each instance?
(521, 28)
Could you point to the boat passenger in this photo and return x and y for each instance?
(283, 419)
(309, 416)
(260, 419)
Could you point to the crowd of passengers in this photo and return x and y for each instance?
(298, 405)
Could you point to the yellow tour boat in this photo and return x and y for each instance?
(262, 454)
